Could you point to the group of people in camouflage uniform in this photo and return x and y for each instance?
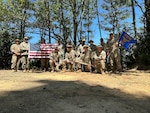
(86, 58)
(20, 54)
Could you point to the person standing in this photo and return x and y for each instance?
(24, 46)
(79, 52)
(102, 43)
(99, 59)
(44, 61)
(92, 46)
(80, 49)
(113, 48)
(15, 49)
(61, 51)
(93, 49)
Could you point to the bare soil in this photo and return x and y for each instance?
(74, 92)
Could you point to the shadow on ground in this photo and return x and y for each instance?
(72, 97)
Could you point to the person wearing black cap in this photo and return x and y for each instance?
(15, 49)
(93, 49)
(92, 46)
(102, 43)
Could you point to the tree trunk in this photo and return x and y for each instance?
(134, 22)
(147, 15)
(99, 24)
(49, 23)
(75, 24)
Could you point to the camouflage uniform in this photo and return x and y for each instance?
(54, 61)
(44, 61)
(24, 46)
(15, 49)
(92, 46)
(114, 55)
(79, 52)
(86, 58)
(60, 53)
(93, 49)
(70, 58)
(99, 60)
(102, 43)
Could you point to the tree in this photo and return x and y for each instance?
(114, 18)
(5, 55)
(142, 51)
(89, 15)
(147, 15)
(17, 14)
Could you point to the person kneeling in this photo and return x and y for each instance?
(54, 61)
(99, 59)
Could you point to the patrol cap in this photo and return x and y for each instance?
(99, 46)
(56, 48)
(26, 38)
(91, 41)
(85, 46)
(59, 40)
(80, 40)
(17, 40)
(111, 34)
(69, 46)
(83, 39)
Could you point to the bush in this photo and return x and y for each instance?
(144, 62)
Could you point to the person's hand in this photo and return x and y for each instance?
(17, 53)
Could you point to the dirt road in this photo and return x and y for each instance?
(74, 92)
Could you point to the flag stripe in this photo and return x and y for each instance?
(41, 50)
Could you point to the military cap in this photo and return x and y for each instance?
(17, 40)
(26, 38)
(99, 46)
(59, 40)
(91, 41)
(80, 40)
(69, 46)
(83, 39)
(56, 48)
(85, 46)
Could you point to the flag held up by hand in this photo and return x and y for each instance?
(125, 40)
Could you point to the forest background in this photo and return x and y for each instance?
(75, 19)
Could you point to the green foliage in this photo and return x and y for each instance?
(114, 15)
(66, 20)
(143, 53)
(5, 55)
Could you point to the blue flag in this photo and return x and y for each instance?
(125, 40)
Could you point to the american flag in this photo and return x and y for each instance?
(41, 50)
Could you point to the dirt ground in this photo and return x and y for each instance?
(74, 92)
